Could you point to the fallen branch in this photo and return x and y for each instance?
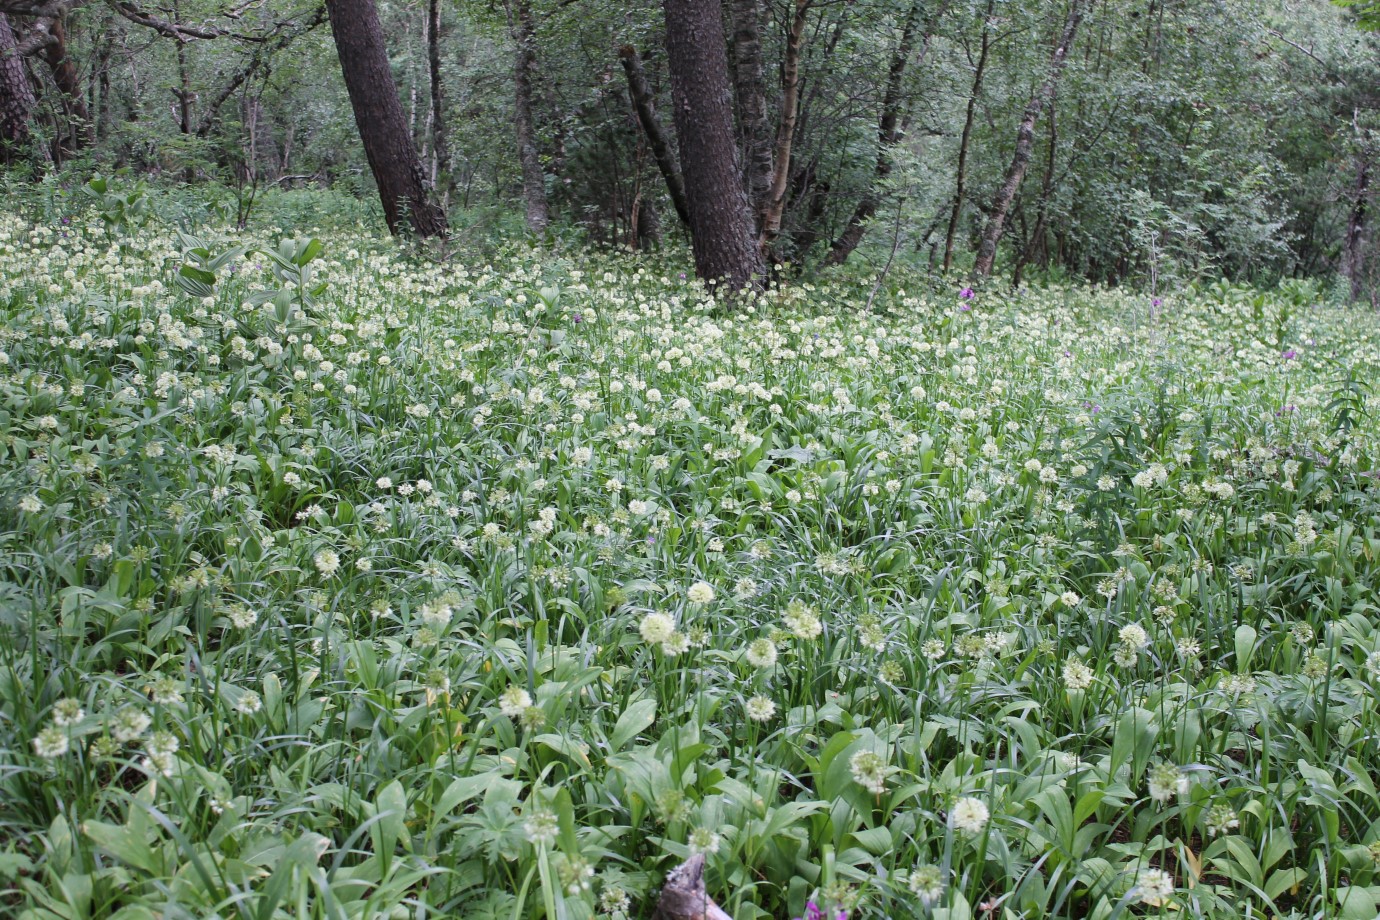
(683, 896)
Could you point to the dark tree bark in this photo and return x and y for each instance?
(962, 173)
(1353, 254)
(533, 180)
(1025, 144)
(17, 100)
(379, 116)
(785, 130)
(440, 145)
(720, 216)
(888, 135)
(68, 82)
(644, 103)
(750, 91)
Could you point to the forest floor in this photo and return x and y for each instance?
(335, 583)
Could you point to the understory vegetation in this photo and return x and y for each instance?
(339, 583)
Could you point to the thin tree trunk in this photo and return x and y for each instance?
(720, 216)
(785, 129)
(533, 180)
(644, 104)
(17, 100)
(962, 172)
(1037, 236)
(379, 117)
(888, 135)
(1025, 143)
(750, 91)
(440, 144)
(1354, 247)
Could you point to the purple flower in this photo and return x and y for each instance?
(577, 318)
(1155, 303)
(1290, 355)
(967, 293)
(812, 912)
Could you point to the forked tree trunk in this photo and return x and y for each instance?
(645, 106)
(888, 135)
(750, 90)
(1025, 144)
(17, 100)
(720, 217)
(379, 116)
(533, 179)
(785, 129)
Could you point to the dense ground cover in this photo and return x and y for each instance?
(338, 584)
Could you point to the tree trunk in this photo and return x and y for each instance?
(440, 145)
(1025, 143)
(785, 129)
(720, 216)
(378, 114)
(750, 91)
(888, 134)
(68, 82)
(962, 171)
(17, 100)
(533, 180)
(1354, 265)
(1037, 237)
(644, 104)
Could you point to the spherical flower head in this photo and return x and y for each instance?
(1154, 887)
(1134, 635)
(869, 771)
(759, 709)
(705, 841)
(1166, 780)
(675, 644)
(51, 743)
(802, 620)
(969, 815)
(514, 701)
(926, 883)
(250, 703)
(1220, 819)
(30, 504)
(656, 628)
(129, 723)
(701, 592)
(67, 712)
(326, 562)
(1070, 599)
(1077, 675)
(761, 653)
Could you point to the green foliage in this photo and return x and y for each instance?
(338, 584)
(1367, 12)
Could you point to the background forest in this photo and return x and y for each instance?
(399, 519)
(1182, 138)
